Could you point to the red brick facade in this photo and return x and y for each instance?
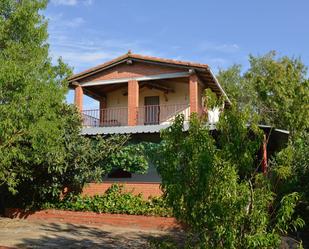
(134, 70)
(133, 66)
(79, 97)
(146, 189)
(137, 69)
(133, 98)
(102, 106)
(193, 92)
(91, 218)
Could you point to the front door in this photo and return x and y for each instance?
(152, 110)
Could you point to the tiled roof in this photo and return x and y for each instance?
(129, 55)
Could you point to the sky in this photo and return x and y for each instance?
(219, 33)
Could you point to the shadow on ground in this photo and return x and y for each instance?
(54, 235)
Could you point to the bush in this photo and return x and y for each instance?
(215, 188)
(165, 243)
(115, 201)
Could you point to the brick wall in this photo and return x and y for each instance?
(193, 91)
(133, 95)
(137, 69)
(78, 97)
(91, 218)
(147, 189)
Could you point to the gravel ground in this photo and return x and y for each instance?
(28, 234)
(15, 233)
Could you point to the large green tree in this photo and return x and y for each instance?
(32, 93)
(216, 189)
(275, 87)
(41, 149)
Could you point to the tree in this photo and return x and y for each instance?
(214, 187)
(282, 90)
(41, 149)
(276, 88)
(236, 87)
(32, 94)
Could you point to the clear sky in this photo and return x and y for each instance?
(219, 33)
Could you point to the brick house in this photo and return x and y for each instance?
(136, 90)
(140, 95)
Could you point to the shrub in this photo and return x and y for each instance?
(159, 243)
(215, 188)
(115, 201)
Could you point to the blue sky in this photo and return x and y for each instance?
(219, 33)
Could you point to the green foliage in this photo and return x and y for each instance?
(165, 243)
(32, 93)
(130, 158)
(276, 88)
(282, 90)
(116, 201)
(238, 143)
(239, 91)
(290, 171)
(301, 163)
(285, 214)
(215, 188)
(211, 100)
(41, 150)
(234, 85)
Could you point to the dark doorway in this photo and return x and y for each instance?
(119, 173)
(152, 110)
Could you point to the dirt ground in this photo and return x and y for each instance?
(28, 234)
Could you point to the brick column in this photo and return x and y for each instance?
(102, 109)
(78, 98)
(264, 156)
(133, 97)
(193, 93)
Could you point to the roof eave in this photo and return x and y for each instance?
(90, 72)
(126, 57)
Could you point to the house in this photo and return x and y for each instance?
(140, 95)
(136, 92)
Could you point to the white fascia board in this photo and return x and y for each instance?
(220, 87)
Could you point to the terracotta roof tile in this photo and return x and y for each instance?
(169, 61)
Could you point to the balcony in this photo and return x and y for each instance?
(146, 115)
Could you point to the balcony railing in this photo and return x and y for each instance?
(158, 114)
(146, 115)
(105, 117)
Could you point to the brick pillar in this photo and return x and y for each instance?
(78, 98)
(193, 93)
(133, 96)
(264, 156)
(102, 110)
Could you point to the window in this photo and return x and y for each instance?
(119, 173)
